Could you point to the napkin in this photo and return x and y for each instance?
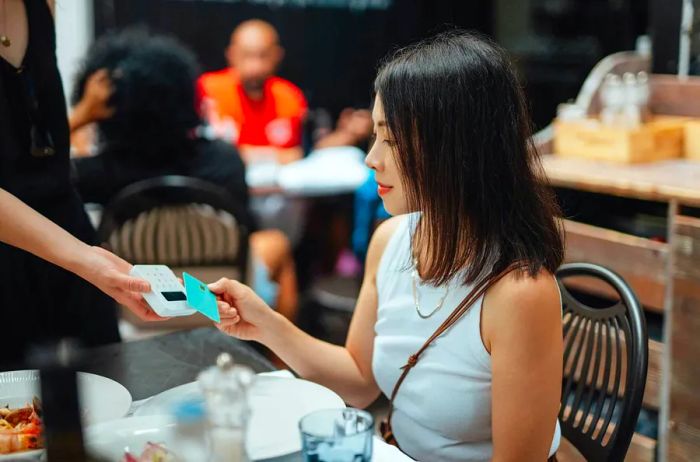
(284, 373)
(384, 452)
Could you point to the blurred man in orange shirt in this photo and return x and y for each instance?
(247, 103)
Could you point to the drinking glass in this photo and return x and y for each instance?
(337, 435)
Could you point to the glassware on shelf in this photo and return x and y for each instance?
(612, 97)
(625, 101)
(643, 95)
(631, 114)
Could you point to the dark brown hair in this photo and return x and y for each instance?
(457, 113)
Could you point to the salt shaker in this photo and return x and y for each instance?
(191, 441)
(225, 388)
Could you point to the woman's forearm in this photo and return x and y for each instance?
(26, 229)
(329, 365)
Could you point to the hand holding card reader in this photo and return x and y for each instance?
(167, 296)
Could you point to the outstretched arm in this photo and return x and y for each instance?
(23, 227)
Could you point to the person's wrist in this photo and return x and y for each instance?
(79, 259)
(274, 329)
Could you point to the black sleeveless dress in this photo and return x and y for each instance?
(38, 301)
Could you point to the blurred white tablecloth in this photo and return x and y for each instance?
(336, 170)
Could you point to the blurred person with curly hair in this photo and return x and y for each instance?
(140, 89)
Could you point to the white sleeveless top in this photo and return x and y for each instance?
(442, 411)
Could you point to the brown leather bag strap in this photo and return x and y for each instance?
(478, 291)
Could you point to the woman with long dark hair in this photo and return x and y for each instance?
(459, 316)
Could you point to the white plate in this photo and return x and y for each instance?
(277, 404)
(109, 440)
(102, 399)
(26, 455)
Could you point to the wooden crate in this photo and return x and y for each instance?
(661, 138)
(692, 139)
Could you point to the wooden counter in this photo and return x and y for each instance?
(665, 181)
(664, 275)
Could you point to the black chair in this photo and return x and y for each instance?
(185, 223)
(605, 366)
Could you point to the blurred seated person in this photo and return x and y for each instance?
(140, 88)
(260, 112)
(353, 128)
(90, 108)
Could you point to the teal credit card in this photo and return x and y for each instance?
(200, 297)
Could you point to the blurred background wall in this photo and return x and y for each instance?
(333, 46)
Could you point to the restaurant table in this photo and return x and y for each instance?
(151, 366)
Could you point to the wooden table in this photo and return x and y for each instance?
(665, 276)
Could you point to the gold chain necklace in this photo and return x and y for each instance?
(4, 39)
(416, 297)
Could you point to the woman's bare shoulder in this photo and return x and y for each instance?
(379, 241)
(521, 301)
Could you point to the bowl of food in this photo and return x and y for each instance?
(21, 431)
(101, 399)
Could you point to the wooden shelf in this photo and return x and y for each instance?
(666, 277)
(658, 181)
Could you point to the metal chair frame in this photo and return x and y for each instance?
(597, 403)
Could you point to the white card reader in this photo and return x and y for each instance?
(167, 296)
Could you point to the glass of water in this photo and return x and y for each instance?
(337, 435)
